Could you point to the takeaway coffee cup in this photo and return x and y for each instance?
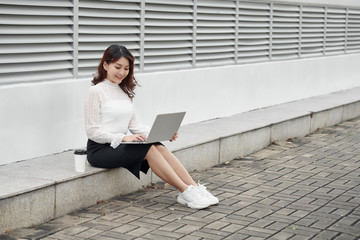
(80, 157)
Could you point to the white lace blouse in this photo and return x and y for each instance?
(110, 113)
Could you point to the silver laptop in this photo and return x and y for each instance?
(163, 128)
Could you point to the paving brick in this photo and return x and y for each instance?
(300, 213)
(254, 238)
(136, 211)
(343, 228)
(197, 219)
(124, 228)
(262, 223)
(320, 202)
(349, 221)
(187, 229)
(281, 203)
(112, 216)
(245, 212)
(286, 211)
(327, 234)
(237, 236)
(190, 237)
(303, 207)
(302, 230)
(171, 226)
(126, 219)
(172, 217)
(139, 231)
(217, 225)
(344, 236)
(278, 226)
(282, 236)
(307, 221)
(300, 237)
(158, 214)
(149, 223)
(164, 234)
(268, 201)
(232, 228)
(74, 230)
(342, 212)
(211, 234)
(323, 223)
(89, 233)
(61, 236)
(214, 216)
(240, 220)
(254, 233)
(101, 224)
(109, 235)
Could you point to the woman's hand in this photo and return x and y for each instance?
(134, 138)
(174, 137)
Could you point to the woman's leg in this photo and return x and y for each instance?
(163, 169)
(176, 165)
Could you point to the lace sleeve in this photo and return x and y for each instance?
(94, 129)
(135, 126)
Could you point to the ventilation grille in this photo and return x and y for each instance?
(254, 32)
(285, 32)
(45, 40)
(312, 31)
(35, 40)
(215, 34)
(102, 23)
(335, 31)
(353, 31)
(168, 35)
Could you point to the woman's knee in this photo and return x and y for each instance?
(160, 148)
(151, 152)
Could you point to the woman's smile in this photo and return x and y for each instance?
(117, 71)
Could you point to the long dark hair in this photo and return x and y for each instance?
(111, 55)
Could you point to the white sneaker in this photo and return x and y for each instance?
(193, 199)
(211, 198)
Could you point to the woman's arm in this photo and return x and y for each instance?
(93, 126)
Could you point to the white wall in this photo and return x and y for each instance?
(47, 117)
(208, 93)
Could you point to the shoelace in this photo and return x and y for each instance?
(198, 183)
(206, 193)
(200, 192)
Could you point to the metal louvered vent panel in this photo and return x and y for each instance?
(215, 34)
(335, 31)
(36, 35)
(168, 35)
(285, 32)
(55, 39)
(353, 31)
(254, 32)
(312, 31)
(102, 23)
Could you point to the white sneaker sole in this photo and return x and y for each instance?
(190, 205)
(214, 202)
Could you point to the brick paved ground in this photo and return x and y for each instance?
(305, 188)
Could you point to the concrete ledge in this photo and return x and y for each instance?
(37, 190)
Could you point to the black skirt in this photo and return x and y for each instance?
(129, 156)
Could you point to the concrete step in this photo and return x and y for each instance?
(38, 190)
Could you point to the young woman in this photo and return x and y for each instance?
(110, 114)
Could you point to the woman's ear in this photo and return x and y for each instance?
(105, 66)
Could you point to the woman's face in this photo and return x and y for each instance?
(117, 71)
